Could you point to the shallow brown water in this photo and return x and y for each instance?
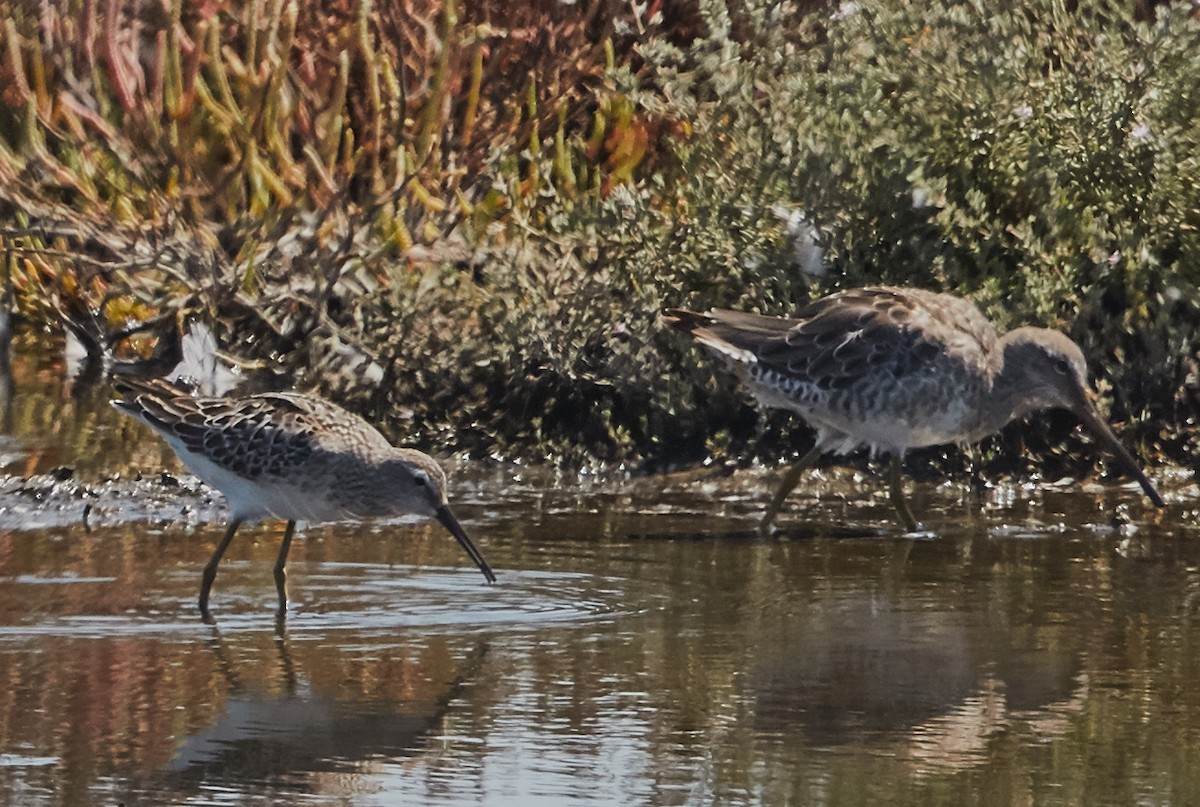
(641, 646)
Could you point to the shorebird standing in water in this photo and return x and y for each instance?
(899, 368)
(291, 456)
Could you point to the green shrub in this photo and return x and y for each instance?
(1039, 159)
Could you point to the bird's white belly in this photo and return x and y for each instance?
(897, 435)
(883, 433)
(252, 500)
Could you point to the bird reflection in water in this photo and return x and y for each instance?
(293, 738)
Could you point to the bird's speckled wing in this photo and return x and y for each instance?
(258, 435)
(849, 336)
(837, 341)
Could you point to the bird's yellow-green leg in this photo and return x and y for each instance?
(210, 570)
(790, 479)
(896, 490)
(280, 570)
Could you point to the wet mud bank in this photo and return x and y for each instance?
(56, 499)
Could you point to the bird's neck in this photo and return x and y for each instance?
(1014, 390)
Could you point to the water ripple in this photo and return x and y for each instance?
(365, 599)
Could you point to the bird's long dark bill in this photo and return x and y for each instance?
(447, 520)
(1091, 419)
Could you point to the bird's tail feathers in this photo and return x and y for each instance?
(730, 334)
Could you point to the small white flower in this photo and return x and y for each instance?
(1140, 132)
(845, 10)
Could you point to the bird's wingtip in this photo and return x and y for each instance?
(683, 319)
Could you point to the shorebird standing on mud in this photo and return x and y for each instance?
(291, 456)
(899, 368)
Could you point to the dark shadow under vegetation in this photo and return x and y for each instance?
(380, 203)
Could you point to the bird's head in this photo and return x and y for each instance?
(1049, 368)
(1046, 370)
(419, 482)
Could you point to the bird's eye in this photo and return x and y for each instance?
(1062, 366)
(419, 480)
